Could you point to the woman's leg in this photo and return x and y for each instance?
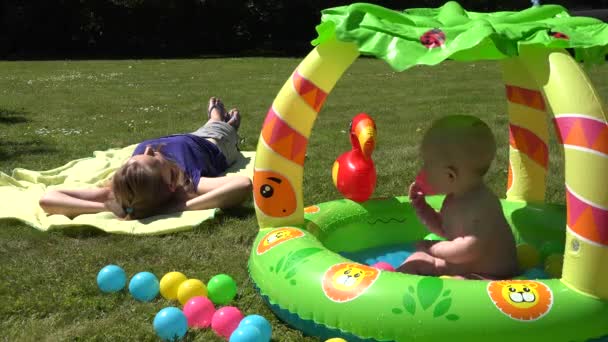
(223, 134)
(234, 118)
(216, 110)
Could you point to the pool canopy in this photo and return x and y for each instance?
(432, 35)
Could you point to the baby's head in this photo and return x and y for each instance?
(457, 151)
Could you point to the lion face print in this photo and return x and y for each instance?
(524, 300)
(347, 281)
(276, 237)
(520, 295)
(349, 277)
(280, 235)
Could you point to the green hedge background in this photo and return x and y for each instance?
(184, 28)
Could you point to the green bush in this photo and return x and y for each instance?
(148, 28)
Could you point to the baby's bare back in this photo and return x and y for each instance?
(480, 215)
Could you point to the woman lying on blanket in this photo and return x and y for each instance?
(173, 173)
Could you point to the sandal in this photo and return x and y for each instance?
(216, 103)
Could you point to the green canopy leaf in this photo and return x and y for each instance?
(432, 35)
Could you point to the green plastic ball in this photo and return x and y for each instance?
(551, 247)
(433, 237)
(222, 289)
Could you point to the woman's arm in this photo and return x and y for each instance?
(72, 203)
(220, 192)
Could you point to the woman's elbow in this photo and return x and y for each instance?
(49, 202)
(244, 186)
(46, 201)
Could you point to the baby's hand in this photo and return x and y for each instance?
(416, 194)
(425, 246)
(424, 211)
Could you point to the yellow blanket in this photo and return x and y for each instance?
(20, 193)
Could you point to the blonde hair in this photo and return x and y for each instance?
(465, 139)
(139, 190)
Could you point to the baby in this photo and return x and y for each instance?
(457, 151)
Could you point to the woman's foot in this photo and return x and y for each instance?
(234, 118)
(216, 110)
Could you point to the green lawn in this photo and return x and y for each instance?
(53, 112)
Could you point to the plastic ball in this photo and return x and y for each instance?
(226, 320)
(385, 266)
(247, 333)
(169, 284)
(527, 256)
(191, 288)
(144, 286)
(535, 273)
(336, 339)
(551, 247)
(554, 264)
(433, 237)
(222, 289)
(170, 324)
(111, 278)
(199, 312)
(260, 323)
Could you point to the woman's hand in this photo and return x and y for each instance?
(220, 192)
(72, 203)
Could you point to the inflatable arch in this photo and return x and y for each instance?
(294, 261)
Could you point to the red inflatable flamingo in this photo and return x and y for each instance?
(354, 173)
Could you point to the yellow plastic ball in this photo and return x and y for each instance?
(191, 288)
(169, 284)
(527, 256)
(336, 339)
(554, 264)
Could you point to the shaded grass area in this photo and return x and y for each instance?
(54, 112)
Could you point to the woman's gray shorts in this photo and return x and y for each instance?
(226, 137)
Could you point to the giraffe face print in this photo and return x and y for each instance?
(273, 194)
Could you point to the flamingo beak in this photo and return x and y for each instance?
(365, 131)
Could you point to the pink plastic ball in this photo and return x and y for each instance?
(199, 312)
(385, 266)
(226, 320)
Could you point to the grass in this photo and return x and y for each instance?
(53, 112)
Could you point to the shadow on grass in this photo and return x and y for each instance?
(240, 164)
(239, 212)
(86, 231)
(11, 149)
(81, 232)
(11, 117)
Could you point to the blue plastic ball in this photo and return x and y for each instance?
(535, 273)
(144, 286)
(170, 324)
(246, 333)
(259, 322)
(111, 278)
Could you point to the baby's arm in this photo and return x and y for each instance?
(424, 211)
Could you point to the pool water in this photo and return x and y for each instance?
(395, 255)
